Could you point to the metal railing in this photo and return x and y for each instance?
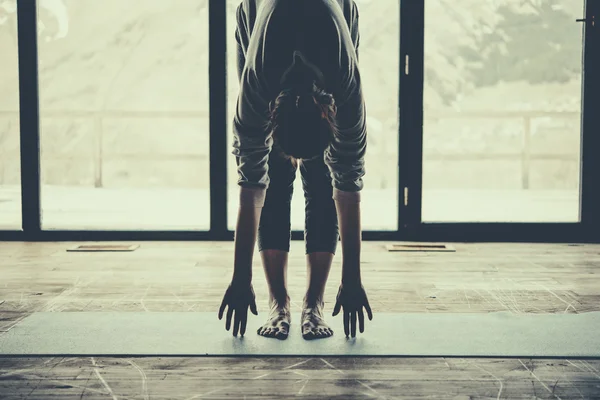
(525, 155)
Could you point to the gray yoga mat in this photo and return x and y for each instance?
(500, 334)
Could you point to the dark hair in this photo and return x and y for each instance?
(302, 123)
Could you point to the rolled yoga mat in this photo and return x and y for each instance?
(499, 334)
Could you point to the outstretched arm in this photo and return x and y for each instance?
(251, 147)
(251, 198)
(348, 204)
(345, 159)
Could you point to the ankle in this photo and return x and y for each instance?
(313, 301)
(280, 301)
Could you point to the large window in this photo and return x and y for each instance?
(10, 162)
(502, 111)
(379, 55)
(124, 114)
(475, 120)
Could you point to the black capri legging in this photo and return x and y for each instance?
(321, 226)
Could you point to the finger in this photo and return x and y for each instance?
(338, 302)
(368, 308)
(253, 308)
(361, 321)
(346, 323)
(222, 308)
(244, 319)
(336, 309)
(353, 323)
(236, 322)
(228, 319)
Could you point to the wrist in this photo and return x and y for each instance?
(353, 278)
(350, 269)
(242, 277)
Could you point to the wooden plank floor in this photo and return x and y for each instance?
(185, 276)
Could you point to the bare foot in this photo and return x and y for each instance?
(278, 324)
(313, 325)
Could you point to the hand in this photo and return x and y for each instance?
(238, 296)
(352, 297)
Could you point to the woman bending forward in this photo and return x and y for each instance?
(300, 104)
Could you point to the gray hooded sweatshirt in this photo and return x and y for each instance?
(324, 34)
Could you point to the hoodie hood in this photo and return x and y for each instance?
(301, 75)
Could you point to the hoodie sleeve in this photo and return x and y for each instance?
(345, 155)
(251, 140)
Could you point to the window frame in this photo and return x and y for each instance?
(410, 146)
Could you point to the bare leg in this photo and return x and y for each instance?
(275, 266)
(313, 324)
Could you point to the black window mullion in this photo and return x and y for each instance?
(29, 118)
(410, 141)
(590, 127)
(217, 71)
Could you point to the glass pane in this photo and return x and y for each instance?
(379, 56)
(502, 111)
(124, 114)
(10, 161)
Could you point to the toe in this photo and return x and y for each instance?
(281, 335)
